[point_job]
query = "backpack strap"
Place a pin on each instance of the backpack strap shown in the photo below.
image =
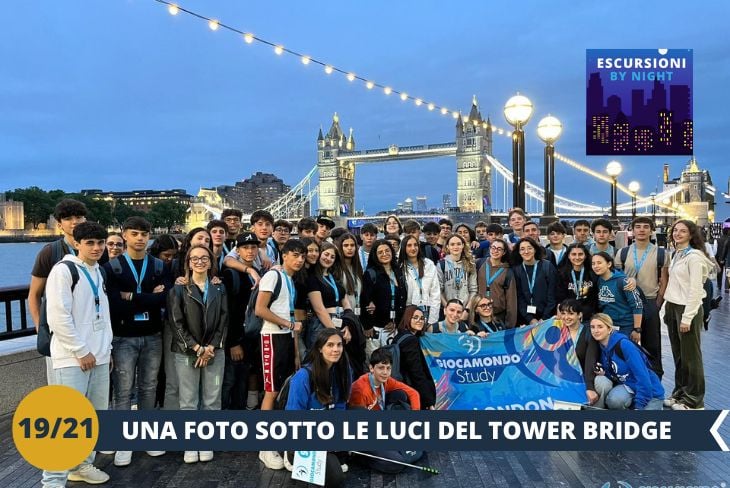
(507, 278)
(74, 273)
(623, 254)
(159, 266)
(661, 255)
(57, 251)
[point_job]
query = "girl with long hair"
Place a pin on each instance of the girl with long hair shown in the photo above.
(413, 365)
(683, 314)
(351, 269)
(457, 272)
(495, 280)
(535, 279)
(482, 320)
(576, 279)
(198, 311)
(570, 312)
(424, 290)
(624, 307)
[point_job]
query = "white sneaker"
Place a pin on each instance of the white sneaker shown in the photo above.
(271, 459)
(345, 467)
(205, 456)
(106, 452)
(682, 406)
(156, 453)
(287, 465)
(123, 458)
(190, 457)
(670, 402)
(90, 474)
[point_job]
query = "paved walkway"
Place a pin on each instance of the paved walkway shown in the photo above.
(458, 469)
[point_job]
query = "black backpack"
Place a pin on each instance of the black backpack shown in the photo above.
(394, 350)
(116, 266)
(252, 323)
(43, 341)
(283, 396)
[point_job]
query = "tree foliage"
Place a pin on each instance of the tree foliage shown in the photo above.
(37, 203)
(167, 214)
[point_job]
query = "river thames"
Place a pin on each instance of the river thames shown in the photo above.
(17, 259)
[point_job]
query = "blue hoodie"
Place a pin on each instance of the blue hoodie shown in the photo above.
(302, 397)
(617, 303)
(633, 370)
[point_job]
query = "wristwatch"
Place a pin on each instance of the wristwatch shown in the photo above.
(637, 329)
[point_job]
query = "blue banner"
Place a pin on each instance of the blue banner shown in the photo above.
(527, 368)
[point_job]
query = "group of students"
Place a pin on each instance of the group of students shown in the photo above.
(177, 317)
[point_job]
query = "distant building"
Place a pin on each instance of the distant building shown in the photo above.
(408, 205)
(446, 200)
(141, 200)
(258, 191)
(421, 206)
(697, 198)
(12, 214)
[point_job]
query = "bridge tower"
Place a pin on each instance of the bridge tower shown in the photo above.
(473, 170)
(336, 178)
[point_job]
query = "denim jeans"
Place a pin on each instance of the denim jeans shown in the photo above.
(172, 400)
(200, 388)
(140, 356)
(620, 397)
(94, 385)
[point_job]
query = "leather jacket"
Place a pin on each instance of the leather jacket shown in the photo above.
(192, 323)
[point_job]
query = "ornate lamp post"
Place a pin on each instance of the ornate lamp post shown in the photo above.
(549, 130)
(518, 111)
(653, 206)
(634, 189)
(613, 169)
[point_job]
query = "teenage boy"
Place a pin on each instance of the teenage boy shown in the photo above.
(649, 265)
(378, 391)
(602, 230)
(480, 229)
(68, 214)
(81, 344)
(218, 230)
(282, 231)
(277, 343)
(136, 289)
(243, 359)
(582, 232)
(431, 231)
(452, 323)
(324, 227)
(530, 229)
(413, 228)
(368, 234)
(494, 231)
(556, 250)
(516, 220)
(306, 227)
(232, 217)
(262, 225)
(445, 228)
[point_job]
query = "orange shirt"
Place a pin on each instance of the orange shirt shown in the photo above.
(362, 394)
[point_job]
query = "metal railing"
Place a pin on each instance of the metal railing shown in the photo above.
(12, 329)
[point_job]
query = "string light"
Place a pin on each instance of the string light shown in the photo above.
(248, 37)
(387, 90)
(404, 96)
(418, 102)
(306, 60)
(431, 106)
(172, 8)
(328, 69)
(370, 85)
(213, 24)
(444, 110)
(279, 50)
(351, 76)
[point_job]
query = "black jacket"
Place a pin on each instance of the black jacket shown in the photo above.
(543, 293)
(192, 322)
(378, 292)
(414, 369)
(589, 291)
(237, 304)
(122, 311)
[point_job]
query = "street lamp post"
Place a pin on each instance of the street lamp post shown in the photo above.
(549, 130)
(613, 169)
(518, 111)
(634, 189)
(653, 206)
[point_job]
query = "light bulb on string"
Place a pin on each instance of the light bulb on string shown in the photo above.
(173, 9)
(370, 85)
(248, 37)
(328, 69)
(418, 102)
(431, 106)
(404, 96)
(387, 90)
(213, 24)
(306, 60)
(279, 50)
(351, 76)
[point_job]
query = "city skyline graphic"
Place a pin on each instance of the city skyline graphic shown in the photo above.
(639, 102)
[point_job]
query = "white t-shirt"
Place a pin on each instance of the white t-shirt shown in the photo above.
(280, 306)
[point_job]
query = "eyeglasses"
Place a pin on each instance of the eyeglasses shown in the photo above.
(384, 252)
(200, 259)
(496, 249)
(485, 305)
(418, 318)
(283, 230)
(114, 244)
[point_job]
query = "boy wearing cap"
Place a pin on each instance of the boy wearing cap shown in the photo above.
(243, 361)
(324, 227)
(262, 224)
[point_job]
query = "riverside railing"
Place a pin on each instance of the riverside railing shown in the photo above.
(16, 320)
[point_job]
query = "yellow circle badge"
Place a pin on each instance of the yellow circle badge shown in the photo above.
(55, 428)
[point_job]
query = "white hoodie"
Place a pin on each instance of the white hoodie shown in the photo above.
(687, 274)
(431, 294)
(71, 317)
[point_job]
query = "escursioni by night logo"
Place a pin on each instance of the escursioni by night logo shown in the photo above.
(639, 102)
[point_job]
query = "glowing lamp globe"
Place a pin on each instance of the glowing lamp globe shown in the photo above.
(518, 110)
(634, 187)
(549, 129)
(613, 169)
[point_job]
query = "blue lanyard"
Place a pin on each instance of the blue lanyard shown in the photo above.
(222, 258)
(391, 278)
(137, 277)
(380, 398)
(458, 272)
(578, 285)
(271, 251)
(71, 249)
(331, 281)
(225, 249)
(638, 263)
(414, 273)
(490, 278)
(531, 282)
(94, 287)
(558, 257)
(205, 292)
(292, 295)
(487, 326)
(363, 257)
